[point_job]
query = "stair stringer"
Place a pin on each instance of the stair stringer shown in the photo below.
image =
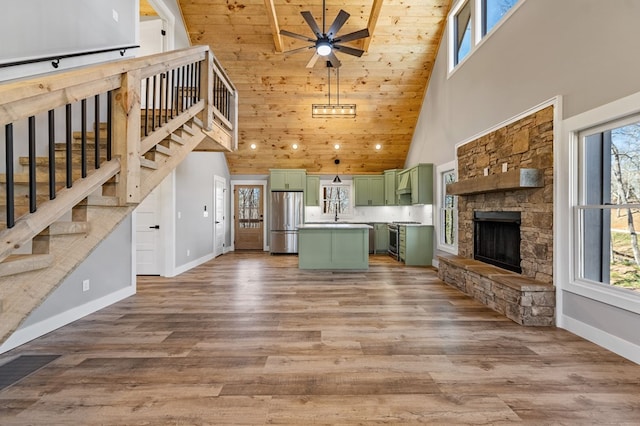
(21, 294)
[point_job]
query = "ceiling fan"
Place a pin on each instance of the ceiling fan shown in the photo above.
(327, 41)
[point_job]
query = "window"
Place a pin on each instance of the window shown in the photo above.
(493, 11)
(462, 30)
(471, 21)
(336, 199)
(608, 211)
(249, 207)
(447, 209)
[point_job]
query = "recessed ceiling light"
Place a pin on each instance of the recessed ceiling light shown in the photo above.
(253, 146)
(378, 146)
(294, 146)
(337, 146)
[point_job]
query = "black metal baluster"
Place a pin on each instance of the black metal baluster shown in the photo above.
(32, 164)
(183, 79)
(8, 131)
(153, 106)
(166, 97)
(68, 152)
(109, 124)
(174, 88)
(96, 118)
(161, 103)
(188, 87)
(52, 155)
(83, 138)
(146, 107)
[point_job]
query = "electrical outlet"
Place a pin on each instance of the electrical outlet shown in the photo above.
(179, 215)
(486, 171)
(114, 13)
(85, 285)
(504, 167)
(188, 252)
(205, 214)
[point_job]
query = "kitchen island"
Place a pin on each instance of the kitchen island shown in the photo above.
(333, 246)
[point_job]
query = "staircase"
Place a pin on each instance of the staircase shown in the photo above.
(62, 198)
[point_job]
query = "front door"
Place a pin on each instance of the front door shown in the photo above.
(248, 214)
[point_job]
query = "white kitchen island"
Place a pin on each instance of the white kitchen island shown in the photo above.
(333, 246)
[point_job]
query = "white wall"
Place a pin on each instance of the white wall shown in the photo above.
(194, 189)
(581, 50)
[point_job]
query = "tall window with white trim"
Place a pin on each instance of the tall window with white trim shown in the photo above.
(608, 212)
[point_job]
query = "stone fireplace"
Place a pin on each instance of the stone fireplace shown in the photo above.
(513, 211)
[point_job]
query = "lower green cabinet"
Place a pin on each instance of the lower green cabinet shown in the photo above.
(416, 245)
(381, 237)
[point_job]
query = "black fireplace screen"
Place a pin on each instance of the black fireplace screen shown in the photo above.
(496, 239)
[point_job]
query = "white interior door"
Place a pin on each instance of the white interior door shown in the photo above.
(148, 252)
(219, 226)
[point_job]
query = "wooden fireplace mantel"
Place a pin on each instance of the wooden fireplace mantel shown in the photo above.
(507, 181)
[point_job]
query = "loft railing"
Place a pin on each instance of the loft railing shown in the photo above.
(98, 121)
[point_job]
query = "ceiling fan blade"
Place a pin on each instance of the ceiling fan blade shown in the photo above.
(352, 36)
(335, 62)
(313, 60)
(312, 23)
(337, 23)
(348, 50)
(297, 50)
(298, 36)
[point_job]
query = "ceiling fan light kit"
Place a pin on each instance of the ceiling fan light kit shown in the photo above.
(327, 42)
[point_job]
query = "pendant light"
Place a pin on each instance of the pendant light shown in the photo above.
(336, 180)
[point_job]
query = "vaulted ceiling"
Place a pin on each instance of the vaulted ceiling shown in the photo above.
(276, 90)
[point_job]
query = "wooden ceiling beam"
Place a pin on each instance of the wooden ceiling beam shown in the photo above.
(371, 25)
(273, 22)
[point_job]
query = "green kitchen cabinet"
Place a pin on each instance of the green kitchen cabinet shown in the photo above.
(391, 198)
(422, 184)
(381, 235)
(312, 194)
(369, 190)
(415, 244)
(288, 179)
(415, 185)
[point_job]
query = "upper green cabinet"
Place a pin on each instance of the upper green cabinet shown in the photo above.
(390, 185)
(288, 179)
(369, 190)
(312, 194)
(415, 185)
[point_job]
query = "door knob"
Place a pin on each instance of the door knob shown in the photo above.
(154, 227)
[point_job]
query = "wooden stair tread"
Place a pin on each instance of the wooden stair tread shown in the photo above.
(19, 263)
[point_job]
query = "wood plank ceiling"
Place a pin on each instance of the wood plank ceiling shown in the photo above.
(276, 90)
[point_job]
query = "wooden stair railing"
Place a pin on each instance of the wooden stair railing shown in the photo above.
(139, 118)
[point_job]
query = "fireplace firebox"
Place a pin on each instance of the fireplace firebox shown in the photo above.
(496, 239)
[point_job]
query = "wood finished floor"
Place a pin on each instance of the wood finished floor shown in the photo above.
(250, 339)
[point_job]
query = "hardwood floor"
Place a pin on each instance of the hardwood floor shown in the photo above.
(250, 339)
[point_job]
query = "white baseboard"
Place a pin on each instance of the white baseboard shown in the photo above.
(184, 268)
(608, 341)
(33, 331)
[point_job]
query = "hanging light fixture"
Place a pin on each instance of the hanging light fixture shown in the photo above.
(333, 110)
(336, 180)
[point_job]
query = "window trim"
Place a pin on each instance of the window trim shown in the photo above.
(346, 184)
(451, 166)
(568, 168)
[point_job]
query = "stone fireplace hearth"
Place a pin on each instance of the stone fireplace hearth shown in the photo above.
(525, 291)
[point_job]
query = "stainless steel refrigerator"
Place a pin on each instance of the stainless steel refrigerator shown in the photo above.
(287, 212)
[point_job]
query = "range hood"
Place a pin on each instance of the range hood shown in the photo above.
(404, 186)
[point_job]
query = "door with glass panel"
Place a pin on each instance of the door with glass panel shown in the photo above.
(248, 217)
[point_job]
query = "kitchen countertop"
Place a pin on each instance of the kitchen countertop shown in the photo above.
(329, 225)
